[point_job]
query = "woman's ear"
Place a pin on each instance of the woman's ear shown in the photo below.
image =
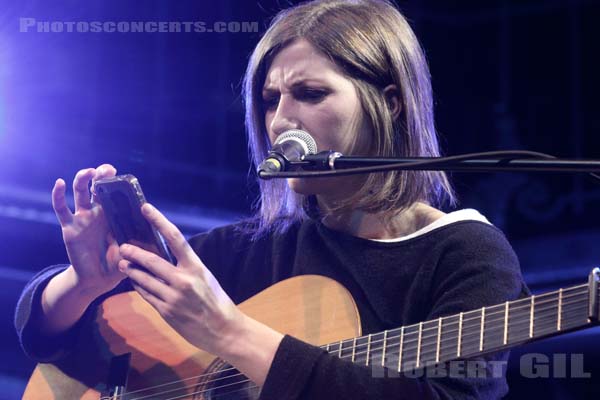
(392, 99)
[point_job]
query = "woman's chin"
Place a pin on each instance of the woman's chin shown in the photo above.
(318, 186)
(301, 186)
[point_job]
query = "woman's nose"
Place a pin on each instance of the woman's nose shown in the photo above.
(286, 117)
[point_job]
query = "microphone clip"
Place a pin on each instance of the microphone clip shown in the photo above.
(322, 161)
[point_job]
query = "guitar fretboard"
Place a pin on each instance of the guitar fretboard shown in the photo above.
(471, 333)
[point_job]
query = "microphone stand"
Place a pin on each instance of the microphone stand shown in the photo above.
(330, 163)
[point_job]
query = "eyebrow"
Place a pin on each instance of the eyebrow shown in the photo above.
(297, 84)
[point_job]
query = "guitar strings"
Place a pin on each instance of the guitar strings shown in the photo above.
(477, 317)
(253, 386)
(471, 340)
(539, 311)
(465, 337)
(539, 303)
(218, 395)
(566, 304)
(223, 394)
(240, 382)
(428, 348)
(489, 322)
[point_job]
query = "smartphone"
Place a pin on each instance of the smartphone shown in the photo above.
(121, 198)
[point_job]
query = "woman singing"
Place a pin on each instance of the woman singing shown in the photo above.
(353, 75)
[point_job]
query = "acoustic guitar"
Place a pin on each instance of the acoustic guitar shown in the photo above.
(132, 353)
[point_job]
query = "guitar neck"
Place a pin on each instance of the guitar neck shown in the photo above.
(477, 332)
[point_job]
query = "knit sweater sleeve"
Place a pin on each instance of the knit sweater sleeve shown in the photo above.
(37, 346)
(477, 268)
(49, 348)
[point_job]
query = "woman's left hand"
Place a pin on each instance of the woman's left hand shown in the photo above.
(188, 296)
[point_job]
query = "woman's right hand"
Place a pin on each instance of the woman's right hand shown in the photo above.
(92, 251)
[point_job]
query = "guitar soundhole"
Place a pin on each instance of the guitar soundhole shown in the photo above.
(224, 382)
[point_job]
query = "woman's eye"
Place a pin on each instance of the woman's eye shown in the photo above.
(270, 102)
(309, 95)
(312, 95)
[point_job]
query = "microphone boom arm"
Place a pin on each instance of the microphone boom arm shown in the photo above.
(331, 163)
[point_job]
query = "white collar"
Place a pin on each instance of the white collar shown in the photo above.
(468, 214)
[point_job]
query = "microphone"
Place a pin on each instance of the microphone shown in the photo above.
(290, 146)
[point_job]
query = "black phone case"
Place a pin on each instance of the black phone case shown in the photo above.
(121, 198)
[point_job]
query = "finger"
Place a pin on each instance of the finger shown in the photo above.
(113, 255)
(104, 171)
(59, 203)
(146, 281)
(81, 191)
(173, 236)
(153, 263)
(150, 298)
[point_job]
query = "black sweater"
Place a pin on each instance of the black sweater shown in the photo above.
(457, 267)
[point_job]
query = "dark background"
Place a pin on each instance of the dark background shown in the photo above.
(166, 107)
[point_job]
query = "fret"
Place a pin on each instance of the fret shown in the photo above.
(327, 348)
(518, 321)
(439, 340)
(574, 308)
(340, 352)
(419, 343)
(378, 341)
(429, 342)
(482, 329)
(333, 348)
(470, 333)
(384, 348)
(531, 316)
(505, 336)
(360, 345)
(495, 326)
(348, 350)
(559, 317)
(460, 325)
(447, 342)
(389, 358)
(400, 349)
(368, 350)
(410, 352)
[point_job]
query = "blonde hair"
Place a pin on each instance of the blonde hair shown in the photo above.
(375, 47)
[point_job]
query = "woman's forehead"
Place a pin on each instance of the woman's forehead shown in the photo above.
(300, 62)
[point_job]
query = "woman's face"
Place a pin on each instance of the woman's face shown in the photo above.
(305, 90)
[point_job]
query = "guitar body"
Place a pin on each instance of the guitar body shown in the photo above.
(163, 365)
